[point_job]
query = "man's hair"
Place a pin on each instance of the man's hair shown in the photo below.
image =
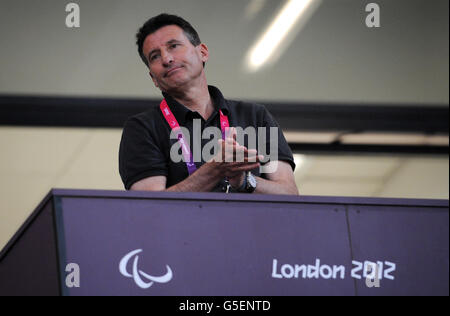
(159, 21)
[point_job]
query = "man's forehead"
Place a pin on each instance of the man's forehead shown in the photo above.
(164, 35)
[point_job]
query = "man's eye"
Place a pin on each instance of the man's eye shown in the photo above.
(153, 57)
(173, 45)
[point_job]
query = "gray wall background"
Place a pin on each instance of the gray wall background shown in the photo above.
(335, 58)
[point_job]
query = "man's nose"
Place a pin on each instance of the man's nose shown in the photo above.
(167, 58)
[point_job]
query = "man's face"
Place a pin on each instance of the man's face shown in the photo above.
(173, 61)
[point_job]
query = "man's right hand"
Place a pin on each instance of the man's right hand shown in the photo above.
(233, 159)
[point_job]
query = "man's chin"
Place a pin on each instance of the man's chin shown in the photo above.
(175, 86)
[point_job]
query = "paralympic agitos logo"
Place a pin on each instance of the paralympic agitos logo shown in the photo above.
(138, 275)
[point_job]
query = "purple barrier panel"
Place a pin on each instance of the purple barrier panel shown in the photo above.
(408, 246)
(205, 247)
(29, 263)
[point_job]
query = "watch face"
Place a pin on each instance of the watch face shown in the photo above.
(252, 181)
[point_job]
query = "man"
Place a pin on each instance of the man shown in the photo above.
(175, 57)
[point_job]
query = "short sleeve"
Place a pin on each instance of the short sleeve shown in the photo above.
(284, 151)
(140, 156)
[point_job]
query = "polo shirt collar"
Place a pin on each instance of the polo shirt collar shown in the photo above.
(181, 112)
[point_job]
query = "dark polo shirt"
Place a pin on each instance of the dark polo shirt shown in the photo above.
(145, 145)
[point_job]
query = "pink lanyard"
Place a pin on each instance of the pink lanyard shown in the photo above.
(173, 123)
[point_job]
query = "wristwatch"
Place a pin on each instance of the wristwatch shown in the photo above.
(249, 185)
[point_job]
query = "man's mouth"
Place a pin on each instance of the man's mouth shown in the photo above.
(168, 73)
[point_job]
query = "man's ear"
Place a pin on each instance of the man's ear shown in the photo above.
(153, 78)
(204, 52)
